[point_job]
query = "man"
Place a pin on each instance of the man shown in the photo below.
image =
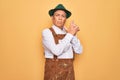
(60, 44)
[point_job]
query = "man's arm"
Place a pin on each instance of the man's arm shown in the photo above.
(77, 47)
(49, 43)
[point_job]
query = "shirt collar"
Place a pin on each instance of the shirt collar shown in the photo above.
(58, 30)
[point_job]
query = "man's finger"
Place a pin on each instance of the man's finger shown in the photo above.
(72, 22)
(66, 29)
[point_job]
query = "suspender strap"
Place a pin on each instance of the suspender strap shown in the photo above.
(54, 35)
(56, 40)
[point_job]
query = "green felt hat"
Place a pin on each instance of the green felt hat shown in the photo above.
(60, 7)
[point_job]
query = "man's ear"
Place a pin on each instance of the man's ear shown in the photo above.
(52, 17)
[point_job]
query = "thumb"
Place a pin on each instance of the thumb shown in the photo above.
(66, 29)
(72, 22)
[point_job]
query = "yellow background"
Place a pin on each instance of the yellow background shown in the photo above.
(21, 51)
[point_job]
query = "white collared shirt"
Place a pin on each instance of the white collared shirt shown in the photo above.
(64, 49)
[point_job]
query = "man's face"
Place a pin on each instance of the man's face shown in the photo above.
(59, 18)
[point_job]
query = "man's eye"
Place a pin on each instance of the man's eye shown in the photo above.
(57, 15)
(63, 16)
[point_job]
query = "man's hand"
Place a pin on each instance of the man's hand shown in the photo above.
(73, 28)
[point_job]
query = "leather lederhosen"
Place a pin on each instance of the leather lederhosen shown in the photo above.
(58, 69)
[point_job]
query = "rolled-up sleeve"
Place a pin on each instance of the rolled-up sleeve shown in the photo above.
(76, 45)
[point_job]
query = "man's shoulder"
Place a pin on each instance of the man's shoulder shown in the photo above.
(46, 31)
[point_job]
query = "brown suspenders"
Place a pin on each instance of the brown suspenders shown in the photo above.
(56, 38)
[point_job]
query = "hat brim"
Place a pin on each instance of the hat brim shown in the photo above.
(68, 13)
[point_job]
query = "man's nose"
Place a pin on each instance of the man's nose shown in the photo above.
(60, 17)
